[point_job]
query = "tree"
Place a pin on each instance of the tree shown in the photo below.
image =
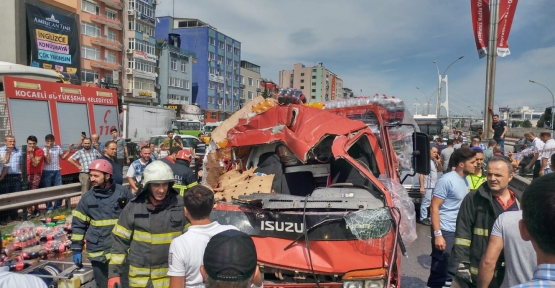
(527, 124)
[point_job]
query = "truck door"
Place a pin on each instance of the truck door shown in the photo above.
(106, 119)
(28, 117)
(73, 118)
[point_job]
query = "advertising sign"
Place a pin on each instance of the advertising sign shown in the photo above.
(145, 56)
(333, 88)
(480, 12)
(54, 40)
(215, 78)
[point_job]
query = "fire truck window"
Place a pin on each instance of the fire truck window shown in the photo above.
(29, 117)
(362, 153)
(73, 118)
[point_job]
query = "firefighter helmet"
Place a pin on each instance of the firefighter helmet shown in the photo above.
(102, 166)
(157, 172)
(184, 154)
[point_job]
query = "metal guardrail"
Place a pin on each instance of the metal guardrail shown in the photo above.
(27, 198)
(518, 185)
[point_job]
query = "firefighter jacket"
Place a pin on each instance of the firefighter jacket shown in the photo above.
(95, 217)
(184, 176)
(142, 239)
(474, 222)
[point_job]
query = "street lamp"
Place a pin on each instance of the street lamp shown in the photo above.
(441, 77)
(552, 126)
(427, 98)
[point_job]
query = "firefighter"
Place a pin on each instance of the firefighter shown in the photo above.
(95, 217)
(184, 176)
(145, 229)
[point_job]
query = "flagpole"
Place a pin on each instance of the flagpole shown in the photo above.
(490, 67)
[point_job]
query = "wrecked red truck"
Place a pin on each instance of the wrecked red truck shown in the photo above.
(334, 215)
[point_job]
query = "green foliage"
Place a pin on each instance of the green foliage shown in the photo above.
(527, 124)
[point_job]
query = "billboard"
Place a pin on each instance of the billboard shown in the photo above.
(54, 40)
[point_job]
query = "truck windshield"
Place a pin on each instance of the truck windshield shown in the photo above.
(432, 126)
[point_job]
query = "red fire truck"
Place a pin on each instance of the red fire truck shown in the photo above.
(40, 107)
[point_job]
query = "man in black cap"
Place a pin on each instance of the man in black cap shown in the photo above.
(230, 261)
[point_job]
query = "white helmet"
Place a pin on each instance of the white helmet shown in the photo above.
(157, 172)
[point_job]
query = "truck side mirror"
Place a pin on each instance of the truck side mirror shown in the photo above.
(421, 153)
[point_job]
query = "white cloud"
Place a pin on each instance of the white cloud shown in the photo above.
(386, 46)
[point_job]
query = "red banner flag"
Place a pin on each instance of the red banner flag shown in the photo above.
(480, 11)
(480, 24)
(507, 9)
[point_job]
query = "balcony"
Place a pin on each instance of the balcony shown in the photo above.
(108, 43)
(103, 64)
(101, 19)
(116, 4)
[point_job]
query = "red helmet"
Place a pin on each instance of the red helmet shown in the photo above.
(102, 166)
(184, 154)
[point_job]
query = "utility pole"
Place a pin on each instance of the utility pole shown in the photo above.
(490, 68)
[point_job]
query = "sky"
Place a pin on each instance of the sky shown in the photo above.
(388, 47)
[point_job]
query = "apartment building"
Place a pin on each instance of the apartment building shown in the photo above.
(317, 82)
(250, 81)
(175, 72)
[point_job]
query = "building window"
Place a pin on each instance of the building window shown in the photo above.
(187, 85)
(131, 43)
(228, 48)
(237, 77)
(174, 64)
(183, 66)
(111, 35)
(108, 78)
(212, 70)
(313, 83)
(314, 77)
(212, 41)
(250, 81)
(211, 55)
(111, 14)
(141, 45)
(221, 44)
(88, 75)
(89, 7)
(211, 84)
(236, 64)
(257, 83)
(302, 74)
(228, 62)
(90, 53)
(131, 24)
(314, 90)
(250, 95)
(302, 87)
(302, 80)
(220, 101)
(144, 66)
(90, 29)
(220, 58)
(314, 70)
(242, 79)
(237, 51)
(235, 91)
(111, 57)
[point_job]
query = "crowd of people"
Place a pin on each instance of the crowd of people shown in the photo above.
(43, 165)
(474, 214)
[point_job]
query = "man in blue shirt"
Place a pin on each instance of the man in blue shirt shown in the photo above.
(538, 216)
(447, 197)
(10, 179)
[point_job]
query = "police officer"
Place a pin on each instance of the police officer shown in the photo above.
(95, 217)
(145, 230)
(184, 176)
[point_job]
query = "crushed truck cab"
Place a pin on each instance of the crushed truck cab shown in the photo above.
(331, 216)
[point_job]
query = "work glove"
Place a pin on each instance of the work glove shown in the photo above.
(114, 282)
(463, 272)
(78, 258)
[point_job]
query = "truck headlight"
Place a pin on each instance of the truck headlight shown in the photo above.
(374, 283)
(353, 284)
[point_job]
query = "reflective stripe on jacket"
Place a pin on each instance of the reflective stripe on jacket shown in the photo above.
(142, 238)
(474, 222)
(95, 217)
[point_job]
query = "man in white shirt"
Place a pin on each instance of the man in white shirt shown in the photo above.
(548, 150)
(537, 145)
(187, 250)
